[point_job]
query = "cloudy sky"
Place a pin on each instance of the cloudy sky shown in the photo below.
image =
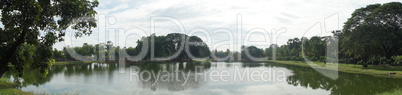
(221, 24)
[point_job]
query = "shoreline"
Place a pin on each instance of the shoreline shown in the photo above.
(374, 70)
(7, 88)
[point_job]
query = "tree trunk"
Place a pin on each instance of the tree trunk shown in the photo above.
(3, 69)
(388, 55)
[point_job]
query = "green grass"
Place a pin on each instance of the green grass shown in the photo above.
(7, 88)
(375, 70)
(202, 60)
(74, 62)
(395, 92)
(64, 93)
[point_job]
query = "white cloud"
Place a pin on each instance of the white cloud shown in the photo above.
(296, 16)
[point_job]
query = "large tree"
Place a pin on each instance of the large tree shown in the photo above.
(38, 24)
(374, 30)
(170, 44)
(252, 51)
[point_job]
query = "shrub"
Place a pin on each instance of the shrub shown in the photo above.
(287, 58)
(300, 58)
(323, 58)
(384, 60)
(374, 60)
(330, 59)
(346, 60)
(365, 65)
(295, 58)
(397, 60)
(313, 58)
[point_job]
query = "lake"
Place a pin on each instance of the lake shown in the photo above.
(198, 78)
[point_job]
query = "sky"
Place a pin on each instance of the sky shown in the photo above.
(222, 24)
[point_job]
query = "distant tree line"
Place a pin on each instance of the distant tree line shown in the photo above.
(314, 49)
(164, 46)
(87, 50)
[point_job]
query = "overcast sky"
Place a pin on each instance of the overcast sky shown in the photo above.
(124, 21)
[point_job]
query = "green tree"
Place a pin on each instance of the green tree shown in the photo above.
(26, 20)
(228, 53)
(170, 44)
(269, 51)
(316, 47)
(253, 51)
(58, 55)
(294, 46)
(67, 55)
(373, 30)
(85, 50)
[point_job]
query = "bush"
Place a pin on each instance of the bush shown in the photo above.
(295, 58)
(346, 60)
(313, 58)
(300, 58)
(280, 58)
(323, 58)
(374, 60)
(384, 60)
(329, 59)
(397, 60)
(287, 58)
(365, 65)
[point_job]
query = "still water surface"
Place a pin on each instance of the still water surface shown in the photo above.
(200, 78)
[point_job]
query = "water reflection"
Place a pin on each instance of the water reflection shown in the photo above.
(87, 71)
(171, 76)
(346, 84)
(32, 77)
(91, 76)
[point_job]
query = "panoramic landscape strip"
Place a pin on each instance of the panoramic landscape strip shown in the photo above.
(362, 56)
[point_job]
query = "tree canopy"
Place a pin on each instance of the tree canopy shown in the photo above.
(38, 24)
(170, 44)
(250, 53)
(374, 30)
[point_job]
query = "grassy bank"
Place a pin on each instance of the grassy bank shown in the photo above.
(87, 62)
(395, 92)
(74, 62)
(375, 70)
(7, 88)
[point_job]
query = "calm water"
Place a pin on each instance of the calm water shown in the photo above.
(199, 78)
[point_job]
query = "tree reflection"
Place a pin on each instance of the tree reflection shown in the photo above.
(302, 76)
(348, 84)
(252, 64)
(33, 77)
(173, 79)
